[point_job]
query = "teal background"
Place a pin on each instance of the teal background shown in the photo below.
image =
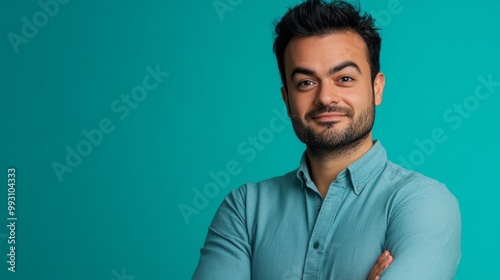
(116, 215)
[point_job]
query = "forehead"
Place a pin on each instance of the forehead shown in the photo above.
(328, 49)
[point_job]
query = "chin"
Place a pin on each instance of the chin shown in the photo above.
(330, 125)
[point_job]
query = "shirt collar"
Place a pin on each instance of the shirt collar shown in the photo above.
(358, 172)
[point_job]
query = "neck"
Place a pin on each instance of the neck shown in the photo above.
(324, 167)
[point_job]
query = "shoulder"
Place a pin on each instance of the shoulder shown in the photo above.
(423, 227)
(405, 180)
(411, 189)
(269, 189)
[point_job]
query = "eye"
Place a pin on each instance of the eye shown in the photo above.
(305, 83)
(346, 79)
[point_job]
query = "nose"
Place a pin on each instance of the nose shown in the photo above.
(327, 94)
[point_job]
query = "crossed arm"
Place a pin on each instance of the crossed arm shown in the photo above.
(423, 235)
(423, 238)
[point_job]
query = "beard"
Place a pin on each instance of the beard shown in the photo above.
(332, 141)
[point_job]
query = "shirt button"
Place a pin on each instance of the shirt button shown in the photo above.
(316, 245)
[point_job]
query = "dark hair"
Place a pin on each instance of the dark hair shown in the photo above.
(316, 17)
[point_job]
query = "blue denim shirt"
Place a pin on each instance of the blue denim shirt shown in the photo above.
(281, 228)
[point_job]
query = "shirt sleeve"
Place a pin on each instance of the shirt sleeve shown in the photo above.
(226, 253)
(424, 234)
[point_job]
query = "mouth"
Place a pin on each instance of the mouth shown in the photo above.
(328, 117)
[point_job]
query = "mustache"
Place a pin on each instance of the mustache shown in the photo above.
(330, 109)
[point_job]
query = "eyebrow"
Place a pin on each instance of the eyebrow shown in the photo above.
(333, 70)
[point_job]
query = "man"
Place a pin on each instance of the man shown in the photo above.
(346, 207)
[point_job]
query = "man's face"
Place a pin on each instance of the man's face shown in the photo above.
(330, 98)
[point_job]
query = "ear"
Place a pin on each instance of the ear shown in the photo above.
(378, 87)
(284, 95)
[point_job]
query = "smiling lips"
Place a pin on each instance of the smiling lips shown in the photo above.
(328, 117)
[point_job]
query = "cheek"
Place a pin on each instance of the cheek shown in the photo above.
(359, 101)
(301, 103)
